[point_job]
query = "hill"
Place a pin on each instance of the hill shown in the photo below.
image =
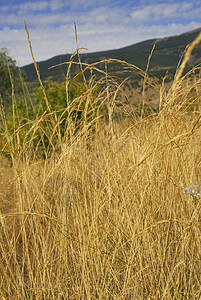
(168, 51)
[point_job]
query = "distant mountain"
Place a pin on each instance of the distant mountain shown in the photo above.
(166, 56)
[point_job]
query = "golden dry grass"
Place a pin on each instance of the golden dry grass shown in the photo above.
(107, 218)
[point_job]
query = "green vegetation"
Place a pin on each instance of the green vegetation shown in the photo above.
(56, 103)
(10, 79)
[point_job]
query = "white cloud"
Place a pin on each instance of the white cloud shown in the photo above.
(100, 26)
(49, 19)
(9, 20)
(45, 43)
(83, 4)
(25, 7)
(4, 8)
(31, 6)
(155, 12)
(51, 42)
(56, 4)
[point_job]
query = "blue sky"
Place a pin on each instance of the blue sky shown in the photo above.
(101, 24)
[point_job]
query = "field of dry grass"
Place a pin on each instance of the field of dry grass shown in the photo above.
(107, 217)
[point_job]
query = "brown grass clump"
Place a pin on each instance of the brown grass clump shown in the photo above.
(106, 216)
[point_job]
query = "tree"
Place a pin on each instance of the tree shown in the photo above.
(9, 74)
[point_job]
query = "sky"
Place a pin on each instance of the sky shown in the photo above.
(101, 24)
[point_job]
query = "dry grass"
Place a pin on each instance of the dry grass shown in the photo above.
(106, 218)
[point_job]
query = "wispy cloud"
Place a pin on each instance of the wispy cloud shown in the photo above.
(102, 25)
(56, 4)
(25, 7)
(164, 11)
(32, 6)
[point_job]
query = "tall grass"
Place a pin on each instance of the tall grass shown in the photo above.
(104, 216)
